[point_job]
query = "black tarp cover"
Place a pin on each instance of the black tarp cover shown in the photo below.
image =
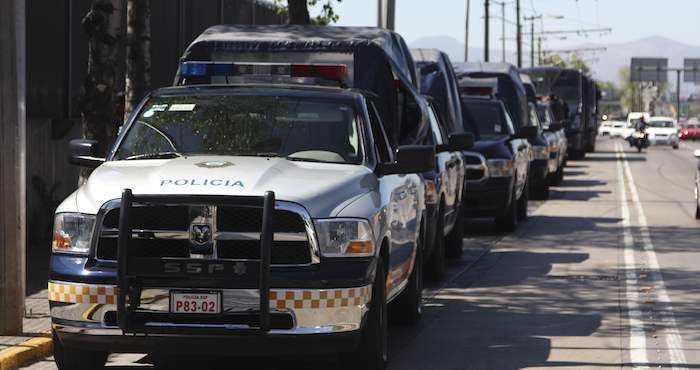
(380, 57)
(438, 80)
(510, 87)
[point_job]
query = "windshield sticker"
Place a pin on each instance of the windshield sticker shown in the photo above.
(497, 128)
(155, 108)
(201, 182)
(182, 107)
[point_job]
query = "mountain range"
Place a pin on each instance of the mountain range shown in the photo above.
(605, 64)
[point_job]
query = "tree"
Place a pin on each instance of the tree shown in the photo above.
(298, 11)
(102, 25)
(138, 53)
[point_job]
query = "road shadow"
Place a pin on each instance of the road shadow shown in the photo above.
(579, 183)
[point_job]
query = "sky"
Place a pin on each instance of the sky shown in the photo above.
(629, 19)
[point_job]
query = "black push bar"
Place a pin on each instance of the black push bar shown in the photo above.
(130, 268)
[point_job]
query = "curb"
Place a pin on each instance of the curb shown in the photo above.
(25, 353)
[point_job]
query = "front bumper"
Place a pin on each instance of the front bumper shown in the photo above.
(663, 140)
(82, 313)
(488, 197)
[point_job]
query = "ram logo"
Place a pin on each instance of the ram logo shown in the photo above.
(200, 234)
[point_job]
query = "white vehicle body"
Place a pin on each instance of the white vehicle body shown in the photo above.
(618, 129)
(604, 128)
(662, 131)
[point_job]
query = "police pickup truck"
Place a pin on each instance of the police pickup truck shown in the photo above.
(241, 220)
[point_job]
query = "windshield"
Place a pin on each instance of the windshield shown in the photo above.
(486, 119)
(545, 116)
(295, 128)
(665, 124)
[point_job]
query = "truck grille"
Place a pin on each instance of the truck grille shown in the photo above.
(162, 231)
(475, 169)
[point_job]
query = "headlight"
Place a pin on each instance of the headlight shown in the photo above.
(540, 152)
(500, 167)
(344, 237)
(72, 233)
(430, 192)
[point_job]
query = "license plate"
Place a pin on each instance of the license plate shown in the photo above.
(195, 302)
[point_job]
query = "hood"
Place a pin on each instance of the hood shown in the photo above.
(491, 148)
(322, 188)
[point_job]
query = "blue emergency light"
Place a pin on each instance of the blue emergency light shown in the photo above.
(202, 69)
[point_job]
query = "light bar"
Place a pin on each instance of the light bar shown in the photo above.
(203, 69)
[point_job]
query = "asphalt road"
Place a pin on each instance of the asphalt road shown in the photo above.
(602, 276)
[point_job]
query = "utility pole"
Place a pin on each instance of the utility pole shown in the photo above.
(12, 166)
(539, 50)
(386, 14)
(532, 43)
(532, 37)
(519, 34)
(486, 30)
(466, 35)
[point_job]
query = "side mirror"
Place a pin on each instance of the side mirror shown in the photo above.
(84, 153)
(410, 159)
(555, 126)
(696, 153)
(527, 132)
(462, 141)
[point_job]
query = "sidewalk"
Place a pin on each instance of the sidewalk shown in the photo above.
(35, 342)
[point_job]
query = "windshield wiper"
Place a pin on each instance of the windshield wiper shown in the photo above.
(161, 155)
(302, 159)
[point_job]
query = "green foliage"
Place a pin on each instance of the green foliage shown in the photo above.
(574, 62)
(327, 15)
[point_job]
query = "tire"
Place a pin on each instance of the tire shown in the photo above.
(76, 359)
(408, 306)
(508, 220)
(372, 353)
(639, 149)
(675, 147)
(455, 239)
(522, 203)
(541, 192)
(558, 176)
(697, 212)
(436, 262)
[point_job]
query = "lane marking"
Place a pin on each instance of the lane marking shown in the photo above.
(674, 341)
(638, 341)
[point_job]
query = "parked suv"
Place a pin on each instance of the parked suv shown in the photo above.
(444, 196)
(498, 172)
(240, 219)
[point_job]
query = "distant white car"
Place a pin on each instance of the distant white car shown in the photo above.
(663, 131)
(617, 128)
(604, 128)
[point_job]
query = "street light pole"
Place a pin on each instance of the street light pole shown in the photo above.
(519, 34)
(466, 35)
(486, 30)
(503, 30)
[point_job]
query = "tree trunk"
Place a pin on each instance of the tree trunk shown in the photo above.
(102, 25)
(138, 53)
(298, 12)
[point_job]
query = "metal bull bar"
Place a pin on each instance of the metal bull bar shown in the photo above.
(134, 273)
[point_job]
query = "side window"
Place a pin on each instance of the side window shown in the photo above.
(438, 135)
(380, 140)
(509, 121)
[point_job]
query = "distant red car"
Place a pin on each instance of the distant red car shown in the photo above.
(689, 131)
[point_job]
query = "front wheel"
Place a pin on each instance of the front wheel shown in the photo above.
(76, 359)
(408, 306)
(523, 201)
(436, 264)
(454, 240)
(508, 220)
(675, 146)
(697, 212)
(373, 352)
